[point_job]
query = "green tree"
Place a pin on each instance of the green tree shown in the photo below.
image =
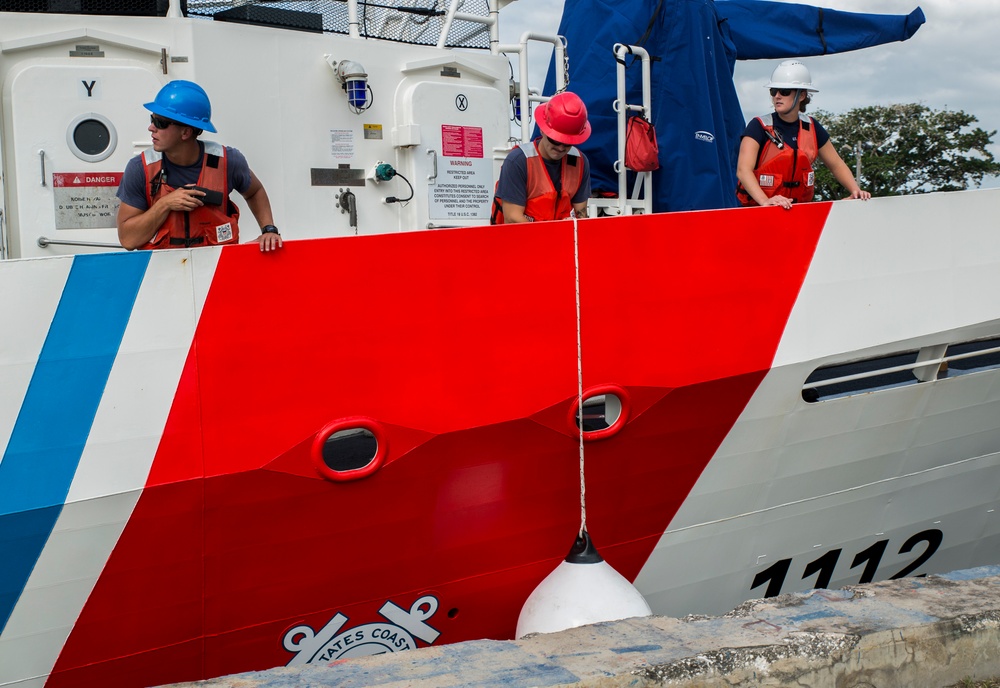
(907, 149)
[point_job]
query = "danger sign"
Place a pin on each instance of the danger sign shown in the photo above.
(85, 200)
(63, 179)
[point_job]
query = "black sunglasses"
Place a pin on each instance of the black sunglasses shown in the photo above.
(161, 122)
(557, 143)
(783, 91)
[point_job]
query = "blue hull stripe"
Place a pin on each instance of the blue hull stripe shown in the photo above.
(59, 409)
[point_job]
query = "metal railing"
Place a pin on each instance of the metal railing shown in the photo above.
(526, 94)
(642, 191)
(43, 242)
(453, 14)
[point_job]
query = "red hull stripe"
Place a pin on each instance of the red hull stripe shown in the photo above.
(462, 344)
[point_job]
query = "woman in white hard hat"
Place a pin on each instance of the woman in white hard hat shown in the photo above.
(777, 151)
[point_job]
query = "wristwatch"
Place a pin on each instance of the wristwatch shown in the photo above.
(269, 229)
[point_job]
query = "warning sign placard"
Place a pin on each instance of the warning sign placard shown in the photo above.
(464, 190)
(85, 200)
(461, 142)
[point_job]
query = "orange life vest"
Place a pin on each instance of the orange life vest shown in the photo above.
(543, 203)
(782, 169)
(204, 226)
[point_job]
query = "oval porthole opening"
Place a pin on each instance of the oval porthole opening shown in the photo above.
(349, 449)
(600, 412)
(605, 411)
(92, 137)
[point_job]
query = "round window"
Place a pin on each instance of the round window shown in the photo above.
(92, 137)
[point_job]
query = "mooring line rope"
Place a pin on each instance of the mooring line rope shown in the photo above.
(579, 375)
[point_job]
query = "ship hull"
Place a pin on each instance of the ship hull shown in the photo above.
(170, 518)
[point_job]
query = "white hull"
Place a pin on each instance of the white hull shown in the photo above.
(170, 505)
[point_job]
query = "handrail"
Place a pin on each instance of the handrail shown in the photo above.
(494, 10)
(643, 180)
(45, 241)
(453, 14)
(525, 94)
(353, 25)
(432, 177)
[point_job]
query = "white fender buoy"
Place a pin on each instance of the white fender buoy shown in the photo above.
(583, 589)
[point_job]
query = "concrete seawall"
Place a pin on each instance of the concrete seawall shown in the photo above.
(931, 631)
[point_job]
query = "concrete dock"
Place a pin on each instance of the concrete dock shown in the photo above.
(933, 631)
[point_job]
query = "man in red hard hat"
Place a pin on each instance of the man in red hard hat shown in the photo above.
(549, 178)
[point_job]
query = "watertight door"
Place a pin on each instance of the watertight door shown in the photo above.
(4, 241)
(72, 129)
(460, 122)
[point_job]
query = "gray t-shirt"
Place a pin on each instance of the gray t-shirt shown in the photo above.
(132, 190)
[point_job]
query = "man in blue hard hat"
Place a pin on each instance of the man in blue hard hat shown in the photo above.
(177, 194)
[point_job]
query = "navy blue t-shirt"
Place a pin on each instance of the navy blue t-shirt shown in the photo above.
(132, 190)
(513, 184)
(789, 132)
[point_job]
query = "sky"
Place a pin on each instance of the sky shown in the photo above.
(951, 63)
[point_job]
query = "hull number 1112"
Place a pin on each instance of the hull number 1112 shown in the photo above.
(823, 566)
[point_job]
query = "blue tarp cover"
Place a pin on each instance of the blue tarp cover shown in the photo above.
(695, 45)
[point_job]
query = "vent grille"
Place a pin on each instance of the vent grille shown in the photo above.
(902, 369)
(405, 21)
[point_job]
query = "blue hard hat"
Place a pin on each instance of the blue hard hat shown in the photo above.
(185, 102)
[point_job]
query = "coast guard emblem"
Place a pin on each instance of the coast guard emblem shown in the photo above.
(330, 643)
(224, 233)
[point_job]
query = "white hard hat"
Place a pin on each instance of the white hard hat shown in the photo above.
(791, 74)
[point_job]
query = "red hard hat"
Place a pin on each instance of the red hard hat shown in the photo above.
(564, 118)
